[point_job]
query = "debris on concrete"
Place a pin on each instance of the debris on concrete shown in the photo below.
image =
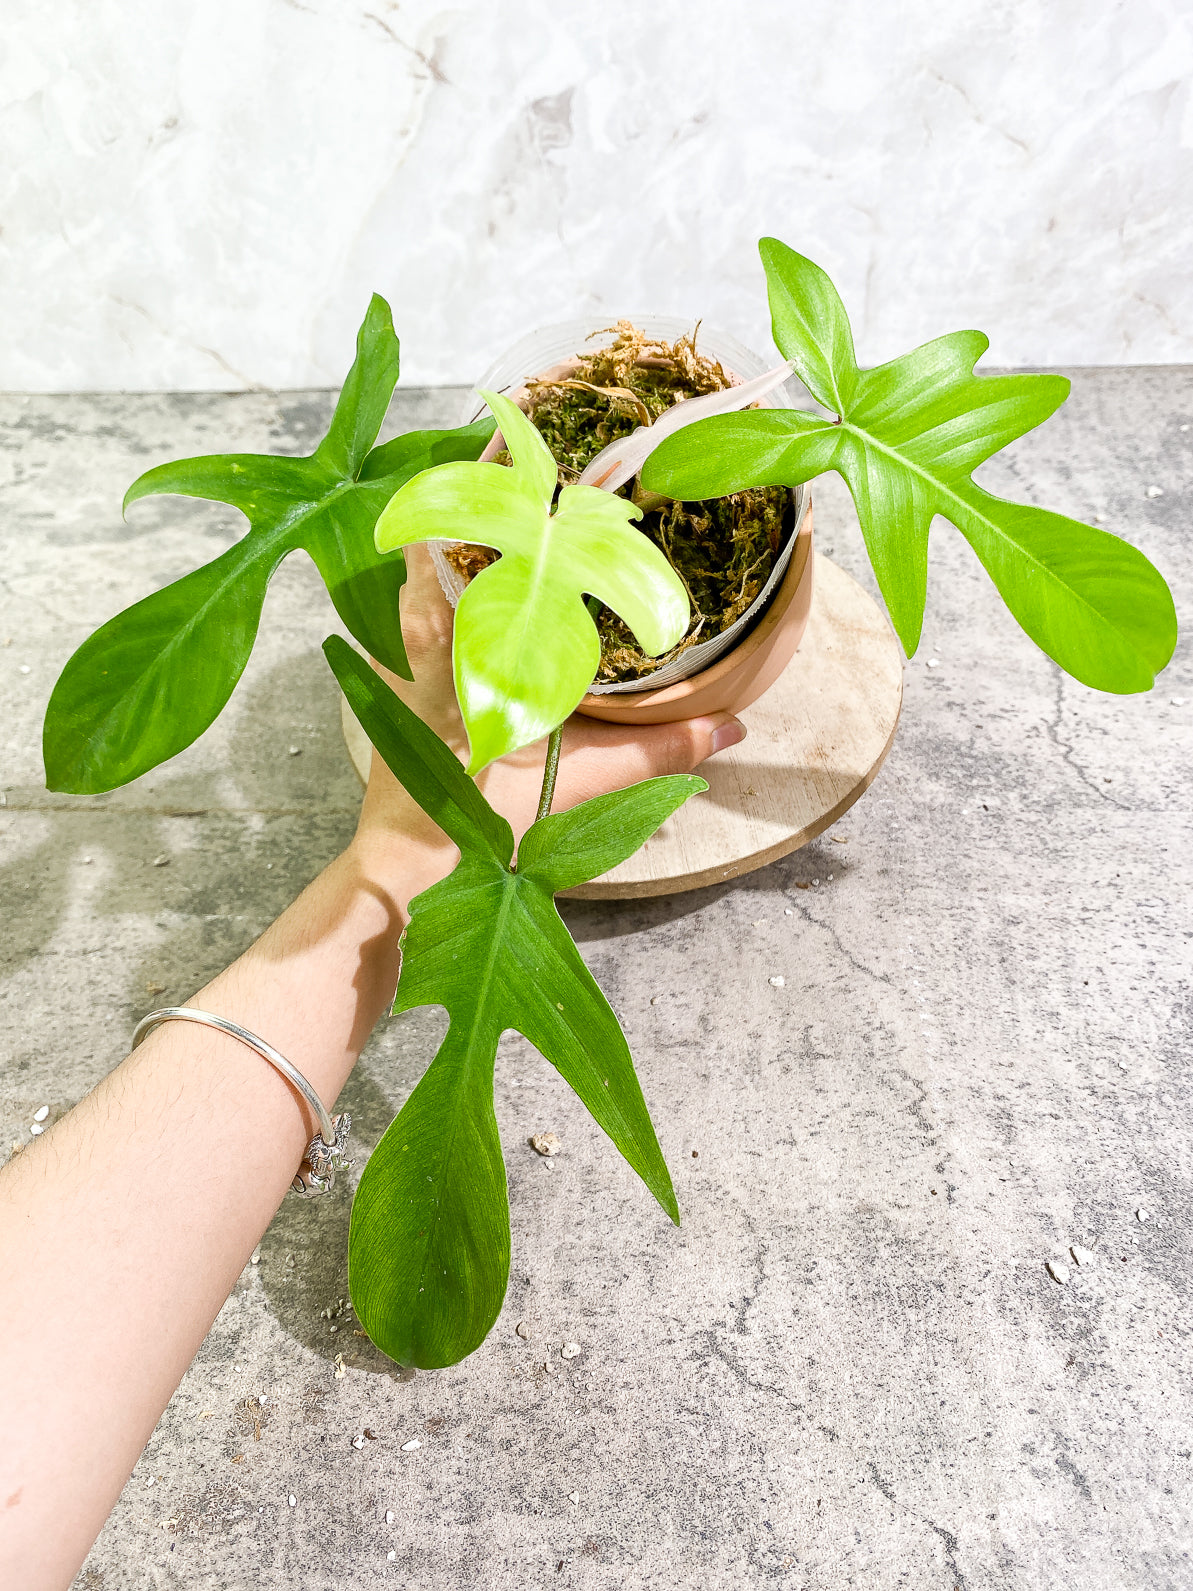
(777, 982)
(161, 861)
(339, 1373)
(292, 1500)
(41, 1113)
(37, 1129)
(573, 1497)
(570, 1350)
(545, 1143)
(389, 1518)
(1082, 1256)
(296, 751)
(522, 1330)
(412, 1446)
(1143, 1215)
(358, 1442)
(1058, 1271)
(1154, 491)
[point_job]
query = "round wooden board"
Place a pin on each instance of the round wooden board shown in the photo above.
(816, 740)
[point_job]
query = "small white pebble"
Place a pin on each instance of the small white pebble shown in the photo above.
(41, 1113)
(830, 878)
(262, 1400)
(37, 1129)
(292, 1500)
(1098, 518)
(412, 1446)
(1154, 491)
(815, 883)
(87, 861)
(1058, 1271)
(390, 1555)
(1184, 428)
(295, 751)
(570, 1350)
(789, 911)
(255, 1259)
(1178, 701)
(161, 861)
(573, 1497)
(778, 983)
(1143, 1215)
(522, 1330)
(24, 669)
(759, 922)
(358, 1442)
(149, 1482)
(933, 662)
(1122, 1066)
(1082, 1256)
(389, 1519)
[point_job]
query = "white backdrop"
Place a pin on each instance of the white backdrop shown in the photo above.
(202, 193)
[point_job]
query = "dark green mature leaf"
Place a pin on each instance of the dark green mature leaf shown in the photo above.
(151, 680)
(908, 437)
(429, 1245)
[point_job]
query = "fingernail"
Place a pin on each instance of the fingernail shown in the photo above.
(726, 735)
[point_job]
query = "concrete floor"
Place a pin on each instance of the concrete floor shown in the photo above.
(850, 1367)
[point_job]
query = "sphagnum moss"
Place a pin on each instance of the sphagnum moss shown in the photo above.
(723, 549)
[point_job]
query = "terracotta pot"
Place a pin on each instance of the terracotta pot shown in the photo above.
(741, 676)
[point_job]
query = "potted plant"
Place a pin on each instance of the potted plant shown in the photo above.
(429, 1241)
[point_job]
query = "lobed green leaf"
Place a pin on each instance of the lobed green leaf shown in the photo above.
(429, 1240)
(908, 437)
(152, 679)
(525, 648)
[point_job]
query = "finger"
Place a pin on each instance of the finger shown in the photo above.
(602, 757)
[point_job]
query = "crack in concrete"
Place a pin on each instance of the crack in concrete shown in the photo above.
(951, 1544)
(1052, 730)
(802, 911)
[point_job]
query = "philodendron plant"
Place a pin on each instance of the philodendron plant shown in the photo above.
(429, 1245)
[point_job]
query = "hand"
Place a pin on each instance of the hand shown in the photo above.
(595, 759)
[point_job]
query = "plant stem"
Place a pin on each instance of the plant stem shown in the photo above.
(549, 772)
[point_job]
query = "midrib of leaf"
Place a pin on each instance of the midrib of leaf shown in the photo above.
(257, 547)
(178, 637)
(968, 510)
(477, 1034)
(539, 579)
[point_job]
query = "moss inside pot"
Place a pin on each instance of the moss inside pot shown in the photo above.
(723, 549)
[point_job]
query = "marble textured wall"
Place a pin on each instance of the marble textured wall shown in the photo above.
(202, 193)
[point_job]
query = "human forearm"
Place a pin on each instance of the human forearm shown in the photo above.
(130, 1220)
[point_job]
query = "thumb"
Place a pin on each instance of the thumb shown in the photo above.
(599, 757)
(682, 746)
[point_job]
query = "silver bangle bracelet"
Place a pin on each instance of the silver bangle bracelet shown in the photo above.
(326, 1152)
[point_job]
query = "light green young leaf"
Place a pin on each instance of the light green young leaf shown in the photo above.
(429, 1244)
(525, 647)
(909, 436)
(152, 679)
